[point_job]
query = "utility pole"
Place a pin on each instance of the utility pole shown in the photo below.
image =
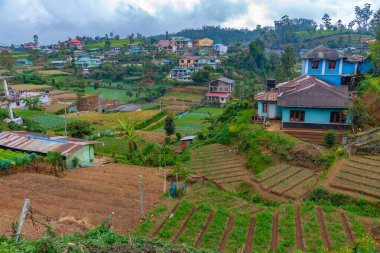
(24, 212)
(65, 122)
(141, 197)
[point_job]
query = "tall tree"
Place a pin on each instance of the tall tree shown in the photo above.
(7, 61)
(375, 50)
(327, 21)
(169, 125)
(375, 22)
(286, 70)
(362, 17)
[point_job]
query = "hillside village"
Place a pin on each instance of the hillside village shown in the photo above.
(203, 140)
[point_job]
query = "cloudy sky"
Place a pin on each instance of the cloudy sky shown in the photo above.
(54, 20)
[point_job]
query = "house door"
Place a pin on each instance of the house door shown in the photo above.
(271, 111)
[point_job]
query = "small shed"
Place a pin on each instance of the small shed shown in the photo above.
(187, 141)
(41, 144)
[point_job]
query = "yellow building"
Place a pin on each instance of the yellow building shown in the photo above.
(203, 43)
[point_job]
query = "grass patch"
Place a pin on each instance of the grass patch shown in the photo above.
(114, 94)
(49, 122)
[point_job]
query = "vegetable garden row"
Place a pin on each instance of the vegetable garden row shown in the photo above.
(220, 164)
(204, 225)
(287, 181)
(358, 176)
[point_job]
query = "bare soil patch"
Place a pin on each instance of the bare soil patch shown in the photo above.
(80, 199)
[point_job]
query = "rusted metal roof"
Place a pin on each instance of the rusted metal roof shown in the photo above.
(267, 96)
(218, 94)
(42, 143)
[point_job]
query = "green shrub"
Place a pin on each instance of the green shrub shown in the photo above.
(330, 138)
(167, 140)
(178, 135)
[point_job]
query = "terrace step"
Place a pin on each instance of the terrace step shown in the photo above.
(312, 136)
(224, 171)
(224, 176)
(218, 164)
(217, 168)
(231, 179)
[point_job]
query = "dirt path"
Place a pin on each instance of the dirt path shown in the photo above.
(257, 187)
(251, 232)
(274, 237)
(299, 233)
(184, 225)
(202, 233)
(323, 228)
(155, 232)
(346, 226)
(227, 231)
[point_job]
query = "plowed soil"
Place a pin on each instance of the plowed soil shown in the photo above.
(82, 198)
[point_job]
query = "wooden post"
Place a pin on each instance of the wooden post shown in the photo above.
(24, 212)
(176, 177)
(164, 181)
(141, 197)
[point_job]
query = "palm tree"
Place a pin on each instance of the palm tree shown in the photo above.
(210, 119)
(129, 135)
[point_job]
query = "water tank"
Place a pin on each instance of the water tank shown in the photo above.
(271, 83)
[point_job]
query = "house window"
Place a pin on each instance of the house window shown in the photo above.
(188, 61)
(314, 64)
(337, 117)
(182, 61)
(225, 89)
(265, 107)
(332, 64)
(297, 116)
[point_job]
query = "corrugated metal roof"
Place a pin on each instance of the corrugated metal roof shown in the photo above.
(226, 80)
(311, 92)
(42, 143)
(323, 52)
(218, 94)
(267, 96)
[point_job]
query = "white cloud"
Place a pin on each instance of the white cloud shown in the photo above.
(54, 20)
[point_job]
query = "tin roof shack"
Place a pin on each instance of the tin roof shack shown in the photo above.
(187, 141)
(69, 148)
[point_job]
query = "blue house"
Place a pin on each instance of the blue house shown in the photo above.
(306, 102)
(317, 99)
(334, 67)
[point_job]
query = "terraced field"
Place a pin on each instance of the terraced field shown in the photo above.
(112, 119)
(291, 227)
(358, 176)
(287, 181)
(220, 164)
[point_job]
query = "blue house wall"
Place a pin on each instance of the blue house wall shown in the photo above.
(312, 115)
(264, 114)
(334, 76)
(260, 109)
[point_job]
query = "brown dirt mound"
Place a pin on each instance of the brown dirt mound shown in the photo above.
(82, 198)
(36, 167)
(305, 155)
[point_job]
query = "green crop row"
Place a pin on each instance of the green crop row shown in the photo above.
(287, 230)
(195, 225)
